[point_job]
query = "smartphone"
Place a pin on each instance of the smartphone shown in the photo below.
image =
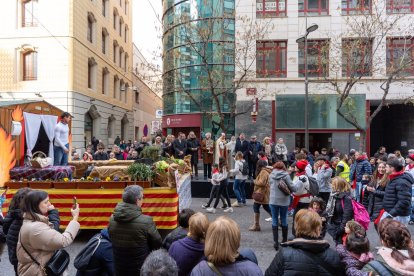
(75, 202)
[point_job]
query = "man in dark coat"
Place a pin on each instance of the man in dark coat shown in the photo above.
(193, 146)
(254, 148)
(397, 196)
(100, 154)
(133, 234)
(358, 169)
(180, 146)
(242, 145)
(381, 154)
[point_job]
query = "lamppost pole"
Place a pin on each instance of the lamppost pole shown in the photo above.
(304, 39)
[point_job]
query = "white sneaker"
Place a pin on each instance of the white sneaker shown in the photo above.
(212, 210)
(204, 206)
(235, 204)
(228, 210)
(269, 219)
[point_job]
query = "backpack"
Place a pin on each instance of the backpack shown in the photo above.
(245, 169)
(82, 260)
(360, 213)
(313, 186)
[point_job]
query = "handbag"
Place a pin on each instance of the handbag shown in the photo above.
(214, 268)
(258, 196)
(283, 187)
(57, 263)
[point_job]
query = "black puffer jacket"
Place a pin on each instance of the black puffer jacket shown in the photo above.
(397, 198)
(341, 216)
(133, 237)
(11, 228)
(306, 257)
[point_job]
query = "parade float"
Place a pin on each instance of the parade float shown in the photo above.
(166, 183)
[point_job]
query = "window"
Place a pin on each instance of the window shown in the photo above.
(115, 51)
(271, 59)
(104, 40)
(115, 18)
(126, 62)
(91, 73)
(30, 66)
(400, 6)
(91, 27)
(105, 80)
(400, 54)
(317, 58)
(270, 8)
(126, 92)
(356, 57)
(29, 13)
(136, 97)
(126, 7)
(116, 86)
(313, 7)
(121, 56)
(351, 7)
(104, 7)
(126, 34)
(121, 21)
(121, 90)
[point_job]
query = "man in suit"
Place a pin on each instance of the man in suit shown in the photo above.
(180, 146)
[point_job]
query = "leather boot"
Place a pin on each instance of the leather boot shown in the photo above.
(275, 238)
(256, 225)
(284, 233)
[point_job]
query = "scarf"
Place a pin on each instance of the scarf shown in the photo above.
(299, 173)
(209, 143)
(395, 174)
(330, 207)
(380, 176)
(411, 166)
(268, 149)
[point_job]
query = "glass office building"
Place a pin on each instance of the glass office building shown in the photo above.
(198, 56)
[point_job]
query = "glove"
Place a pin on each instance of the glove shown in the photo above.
(303, 179)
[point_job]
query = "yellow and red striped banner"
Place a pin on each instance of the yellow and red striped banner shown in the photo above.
(96, 206)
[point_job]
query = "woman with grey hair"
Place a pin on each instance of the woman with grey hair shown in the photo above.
(159, 263)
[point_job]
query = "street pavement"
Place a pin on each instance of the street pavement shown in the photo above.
(261, 242)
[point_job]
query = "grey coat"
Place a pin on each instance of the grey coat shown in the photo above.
(323, 178)
(277, 197)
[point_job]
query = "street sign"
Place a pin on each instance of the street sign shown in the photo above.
(158, 113)
(251, 91)
(155, 126)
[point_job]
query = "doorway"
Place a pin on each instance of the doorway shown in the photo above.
(317, 141)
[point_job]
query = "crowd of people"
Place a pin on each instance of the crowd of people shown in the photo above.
(327, 192)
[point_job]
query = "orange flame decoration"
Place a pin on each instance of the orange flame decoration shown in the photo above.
(7, 156)
(17, 114)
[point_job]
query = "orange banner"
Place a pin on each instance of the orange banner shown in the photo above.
(96, 206)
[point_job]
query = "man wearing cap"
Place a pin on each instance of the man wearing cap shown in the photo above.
(61, 140)
(410, 164)
(324, 154)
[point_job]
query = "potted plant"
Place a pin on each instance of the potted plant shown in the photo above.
(90, 183)
(114, 183)
(140, 174)
(65, 183)
(150, 154)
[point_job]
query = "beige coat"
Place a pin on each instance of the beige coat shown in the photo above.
(261, 184)
(41, 240)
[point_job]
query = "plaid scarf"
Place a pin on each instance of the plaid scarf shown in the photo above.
(330, 208)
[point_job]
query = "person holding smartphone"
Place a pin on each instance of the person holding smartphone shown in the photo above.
(38, 239)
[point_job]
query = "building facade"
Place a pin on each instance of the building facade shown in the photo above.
(147, 102)
(77, 55)
(280, 70)
(198, 65)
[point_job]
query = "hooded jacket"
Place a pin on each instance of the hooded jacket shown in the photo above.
(397, 196)
(390, 264)
(102, 261)
(241, 267)
(187, 253)
(133, 237)
(341, 215)
(261, 184)
(277, 197)
(175, 235)
(323, 177)
(41, 241)
(11, 228)
(359, 168)
(305, 257)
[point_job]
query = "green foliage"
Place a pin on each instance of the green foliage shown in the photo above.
(151, 152)
(140, 172)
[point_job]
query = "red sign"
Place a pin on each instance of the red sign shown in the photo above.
(251, 91)
(181, 120)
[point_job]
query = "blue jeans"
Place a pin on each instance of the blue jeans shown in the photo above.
(60, 157)
(276, 211)
(239, 190)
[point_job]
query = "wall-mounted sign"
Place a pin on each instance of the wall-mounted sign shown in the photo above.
(155, 126)
(158, 113)
(251, 91)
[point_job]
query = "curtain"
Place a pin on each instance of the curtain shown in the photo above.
(32, 126)
(49, 122)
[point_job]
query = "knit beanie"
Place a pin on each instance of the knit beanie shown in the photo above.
(301, 164)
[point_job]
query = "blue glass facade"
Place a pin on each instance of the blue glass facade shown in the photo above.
(198, 52)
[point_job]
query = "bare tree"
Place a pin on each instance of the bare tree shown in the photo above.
(374, 54)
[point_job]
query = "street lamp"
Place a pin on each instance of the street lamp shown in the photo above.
(304, 39)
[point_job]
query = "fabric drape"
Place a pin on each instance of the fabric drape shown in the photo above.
(32, 124)
(49, 122)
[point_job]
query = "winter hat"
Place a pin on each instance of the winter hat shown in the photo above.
(411, 156)
(301, 164)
